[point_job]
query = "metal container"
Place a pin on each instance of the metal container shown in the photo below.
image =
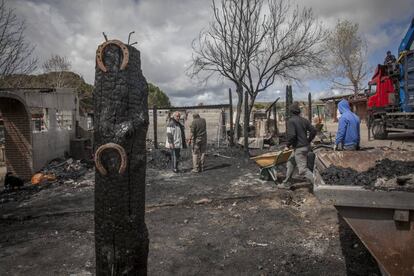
(383, 220)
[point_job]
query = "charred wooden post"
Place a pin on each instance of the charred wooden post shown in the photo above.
(310, 107)
(154, 122)
(120, 128)
(286, 107)
(289, 101)
(223, 124)
(275, 117)
(231, 119)
(246, 124)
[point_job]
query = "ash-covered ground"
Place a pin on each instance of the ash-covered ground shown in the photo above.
(224, 221)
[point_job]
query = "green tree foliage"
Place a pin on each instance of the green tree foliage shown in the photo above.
(347, 62)
(157, 97)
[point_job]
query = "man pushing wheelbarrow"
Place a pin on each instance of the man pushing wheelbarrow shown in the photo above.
(300, 133)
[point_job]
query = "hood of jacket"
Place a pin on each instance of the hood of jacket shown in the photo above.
(343, 106)
(294, 108)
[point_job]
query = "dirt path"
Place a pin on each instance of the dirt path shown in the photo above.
(224, 221)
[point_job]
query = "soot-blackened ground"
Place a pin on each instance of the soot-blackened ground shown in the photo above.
(224, 221)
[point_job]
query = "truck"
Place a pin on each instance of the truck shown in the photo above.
(391, 93)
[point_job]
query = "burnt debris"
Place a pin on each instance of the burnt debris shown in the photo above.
(374, 178)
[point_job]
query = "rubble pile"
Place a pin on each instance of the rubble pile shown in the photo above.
(67, 169)
(386, 175)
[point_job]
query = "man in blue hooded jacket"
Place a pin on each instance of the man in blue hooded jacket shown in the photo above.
(348, 134)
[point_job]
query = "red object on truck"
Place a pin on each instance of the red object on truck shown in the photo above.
(382, 88)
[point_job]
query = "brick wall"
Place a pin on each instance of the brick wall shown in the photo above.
(18, 138)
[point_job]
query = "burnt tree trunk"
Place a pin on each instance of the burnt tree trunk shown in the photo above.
(237, 130)
(121, 117)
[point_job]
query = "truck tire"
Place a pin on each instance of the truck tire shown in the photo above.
(378, 130)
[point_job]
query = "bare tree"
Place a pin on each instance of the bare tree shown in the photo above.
(253, 43)
(57, 65)
(15, 52)
(218, 49)
(347, 64)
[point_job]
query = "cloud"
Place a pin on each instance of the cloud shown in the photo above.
(165, 30)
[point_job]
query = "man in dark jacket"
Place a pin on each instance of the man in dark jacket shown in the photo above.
(300, 133)
(390, 58)
(198, 138)
(175, 139)
(348, 134)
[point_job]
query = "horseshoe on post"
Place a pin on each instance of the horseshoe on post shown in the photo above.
(121, 153)
(100, 52)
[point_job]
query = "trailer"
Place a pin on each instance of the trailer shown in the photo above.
(383, 220)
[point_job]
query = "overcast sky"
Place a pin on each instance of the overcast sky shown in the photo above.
(164, 30)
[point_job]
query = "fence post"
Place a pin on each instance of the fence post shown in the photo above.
(246, 124)
(154, 122)
(289, 101)
(275, 116)
(310, 107)
(231, 119)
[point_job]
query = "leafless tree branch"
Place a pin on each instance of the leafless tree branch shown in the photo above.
(347, 62)
(57, 65)
(253, 43)
(15, 51)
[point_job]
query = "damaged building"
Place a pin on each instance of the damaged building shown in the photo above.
(38, 126)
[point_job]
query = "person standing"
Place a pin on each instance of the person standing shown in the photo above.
(348, 134)
(198, 138)
(300, 133)
(175, 139)
(389, 59)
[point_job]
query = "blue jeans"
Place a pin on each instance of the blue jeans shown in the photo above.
(175, 155)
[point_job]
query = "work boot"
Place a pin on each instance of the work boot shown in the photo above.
(284, 185)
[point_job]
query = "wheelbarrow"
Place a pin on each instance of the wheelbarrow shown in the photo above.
(269, 161)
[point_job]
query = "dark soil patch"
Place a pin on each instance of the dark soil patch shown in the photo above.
(358, 260)
(383, 169)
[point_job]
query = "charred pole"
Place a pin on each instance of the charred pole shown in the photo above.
(120, 128)
(289, 101)
(155, 126)
(246, 124)
(310, 107)
(231, 119)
